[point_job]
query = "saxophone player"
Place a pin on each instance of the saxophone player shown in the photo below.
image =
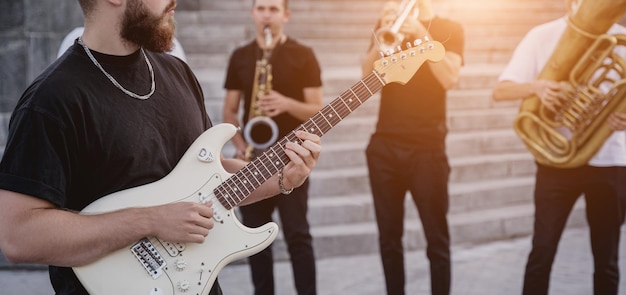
(295, 95)
(601, 180)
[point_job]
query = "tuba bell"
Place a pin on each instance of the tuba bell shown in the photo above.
(389, 37)
(572, 134)
(260, 131)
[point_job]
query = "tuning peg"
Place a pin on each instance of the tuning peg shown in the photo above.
(383, 60)
(417, 42)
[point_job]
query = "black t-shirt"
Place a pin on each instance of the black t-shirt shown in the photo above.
(415, 113)
(74, 137)
(294, 67)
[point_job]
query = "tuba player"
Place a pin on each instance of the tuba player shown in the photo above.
(601, 180)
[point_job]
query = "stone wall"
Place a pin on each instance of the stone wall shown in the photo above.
(30, 34)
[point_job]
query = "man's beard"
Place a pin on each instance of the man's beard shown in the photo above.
(146, 30)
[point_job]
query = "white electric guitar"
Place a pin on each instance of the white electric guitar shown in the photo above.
(152, 266)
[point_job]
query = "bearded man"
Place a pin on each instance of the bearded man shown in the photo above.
(113, 112)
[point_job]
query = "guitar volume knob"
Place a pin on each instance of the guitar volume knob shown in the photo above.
(180, 264)
(184, 285)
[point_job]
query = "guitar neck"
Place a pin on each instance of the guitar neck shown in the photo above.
(236, 188)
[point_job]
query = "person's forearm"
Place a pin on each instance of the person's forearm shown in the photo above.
(63, 238)
(447, 70)
(238, 140)
(507, 90)
(303, 110)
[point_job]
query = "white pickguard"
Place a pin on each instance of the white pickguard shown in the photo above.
(194, 269)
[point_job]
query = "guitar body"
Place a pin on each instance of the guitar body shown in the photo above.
(153, 266)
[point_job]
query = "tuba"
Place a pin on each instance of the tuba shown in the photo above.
(573, 133)
(388, 37)
(261, 131)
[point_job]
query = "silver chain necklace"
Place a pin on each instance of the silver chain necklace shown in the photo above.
(129, 93)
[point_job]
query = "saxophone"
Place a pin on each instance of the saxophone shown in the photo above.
(572, 134)
(261, 131)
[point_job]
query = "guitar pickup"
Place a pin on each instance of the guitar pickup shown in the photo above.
(149, 257)
(173, 249)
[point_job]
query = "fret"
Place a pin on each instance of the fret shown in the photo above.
(269, 162)
(274, 159)
(344, 103)
(256, 173)
(375, 75)
(311, 129)
(220, 197)
(281, 156)
(366, 87)
(374, 81)
(336, 118)
(331, 116)
(320, 114)
(356, 96)
(225, 196)
(260, 159)
(230, 193)
(340, 108)
(240, 185)
(249, 175)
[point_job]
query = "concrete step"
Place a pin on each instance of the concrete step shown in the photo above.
(465, 197)
(460, 106)
(336, 28)
(473, 227)
(354, 179)
(471, 132)
(358, 128)
(458, 145)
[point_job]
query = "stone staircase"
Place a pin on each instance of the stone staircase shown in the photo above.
(492, 174)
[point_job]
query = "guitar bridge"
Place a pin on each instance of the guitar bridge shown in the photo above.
(149, 257)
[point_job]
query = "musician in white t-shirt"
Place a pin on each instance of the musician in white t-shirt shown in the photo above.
(602, 180)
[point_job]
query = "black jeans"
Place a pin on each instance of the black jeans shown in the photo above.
(394, 170)
(292, 210)
(556, 191)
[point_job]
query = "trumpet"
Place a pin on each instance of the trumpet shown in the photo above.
(389, 37)
(261, 131)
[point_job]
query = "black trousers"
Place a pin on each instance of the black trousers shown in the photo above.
(292, 210)
(556, 191)
(394, 170)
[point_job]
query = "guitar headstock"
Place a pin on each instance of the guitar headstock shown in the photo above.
(400, 67)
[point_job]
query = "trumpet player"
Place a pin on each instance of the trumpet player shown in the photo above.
(292, 92)
(601, 180)
(407, 150)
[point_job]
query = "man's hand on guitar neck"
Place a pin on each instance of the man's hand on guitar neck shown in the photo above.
(303, 158)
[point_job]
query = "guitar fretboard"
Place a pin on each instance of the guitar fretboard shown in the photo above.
(236, 188)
